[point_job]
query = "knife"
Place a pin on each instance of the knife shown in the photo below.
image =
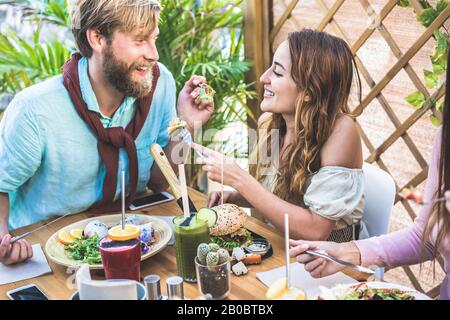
(341, 262)
(26, 234)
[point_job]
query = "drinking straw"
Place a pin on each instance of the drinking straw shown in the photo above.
(123, 200)
(286, 246)
(221, 179)
(184, 193)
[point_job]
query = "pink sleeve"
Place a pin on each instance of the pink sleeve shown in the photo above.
(404, 247)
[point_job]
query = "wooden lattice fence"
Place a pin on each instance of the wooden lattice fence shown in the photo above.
(394, 33)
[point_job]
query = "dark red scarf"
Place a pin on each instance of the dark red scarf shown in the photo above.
(110, 140)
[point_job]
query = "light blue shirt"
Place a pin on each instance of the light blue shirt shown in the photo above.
(49, 161)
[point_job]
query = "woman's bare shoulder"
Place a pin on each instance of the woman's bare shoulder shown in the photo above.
(343, 147)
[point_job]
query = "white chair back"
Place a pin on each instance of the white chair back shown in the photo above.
(379, 197)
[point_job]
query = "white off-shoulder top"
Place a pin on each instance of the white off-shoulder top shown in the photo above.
(333, 192)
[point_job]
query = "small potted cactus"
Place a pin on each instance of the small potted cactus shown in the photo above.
(212, 265)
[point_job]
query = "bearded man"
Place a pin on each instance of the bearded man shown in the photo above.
(63, 142)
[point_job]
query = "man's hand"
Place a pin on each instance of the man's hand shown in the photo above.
(14, 253)
(190, 108)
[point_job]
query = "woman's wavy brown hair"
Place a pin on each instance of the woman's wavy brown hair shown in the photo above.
(439, 218)
(323, 68)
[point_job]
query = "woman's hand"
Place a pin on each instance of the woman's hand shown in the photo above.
(213, 162)
(14, 253)
(215, 198)
(319, 267)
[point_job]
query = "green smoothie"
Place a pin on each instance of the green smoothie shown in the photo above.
(187, 240)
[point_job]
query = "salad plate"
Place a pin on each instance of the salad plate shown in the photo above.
(371, 291)
(63, 254)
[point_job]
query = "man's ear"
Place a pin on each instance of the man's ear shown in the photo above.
(96, 40)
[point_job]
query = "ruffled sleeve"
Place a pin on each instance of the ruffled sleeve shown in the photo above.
(335, 192)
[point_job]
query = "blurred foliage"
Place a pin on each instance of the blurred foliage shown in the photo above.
(433, 78)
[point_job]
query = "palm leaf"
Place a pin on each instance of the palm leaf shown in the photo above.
(24, 62)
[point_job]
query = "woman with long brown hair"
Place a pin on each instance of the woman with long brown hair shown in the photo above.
(426, 239)
(313, 172)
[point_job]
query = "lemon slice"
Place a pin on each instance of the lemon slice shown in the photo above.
(129, 232)
(76, 233)
(279, 290)
(65, 238)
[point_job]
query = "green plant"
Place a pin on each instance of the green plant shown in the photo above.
(192, 43)
(438, 59)
(51, 11)
(24, 62)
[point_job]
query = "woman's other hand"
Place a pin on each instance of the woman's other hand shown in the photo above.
(319, 267)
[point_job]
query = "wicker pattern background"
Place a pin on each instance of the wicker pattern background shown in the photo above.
(391, 50)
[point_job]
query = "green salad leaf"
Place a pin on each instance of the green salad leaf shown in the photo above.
(85, 249)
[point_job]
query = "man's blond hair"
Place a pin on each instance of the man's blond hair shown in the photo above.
(107, 16)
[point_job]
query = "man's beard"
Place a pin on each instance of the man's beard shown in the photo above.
(119, 75)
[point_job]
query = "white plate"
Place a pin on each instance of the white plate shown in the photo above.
(55, 249)
(386, 285)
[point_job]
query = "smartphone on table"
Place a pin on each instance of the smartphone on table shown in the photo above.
(28, 292)
(151, 200)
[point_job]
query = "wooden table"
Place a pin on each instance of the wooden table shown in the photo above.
(56, 286)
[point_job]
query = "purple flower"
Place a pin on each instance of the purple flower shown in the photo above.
(144, 247)
(146, 235)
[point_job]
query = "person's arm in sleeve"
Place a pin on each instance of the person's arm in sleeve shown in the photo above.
(20, 156)
(404, 247)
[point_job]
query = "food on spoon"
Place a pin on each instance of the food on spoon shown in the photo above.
(406, 193)
(417, 197)
(412, 194)
(95, 227)
(175, 124)
(280, 291)
(129, 232)
(228, 231)
(239, 269)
